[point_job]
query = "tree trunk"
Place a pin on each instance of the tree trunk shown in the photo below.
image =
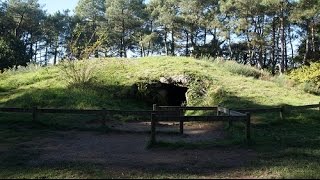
(19, 24)
(205, 37)
(306, 54)
(278, 48)
(122, 48)
(149, 43)
(313, 43)
(35, 52)
(291, 44)
(172, 43)
(142, 49)
(55, 55)
(187, 44)
(165, 41)
(229, 43)
(283, 38)
(273, 53)
(125, 51)
(56, 46)
(46, 57)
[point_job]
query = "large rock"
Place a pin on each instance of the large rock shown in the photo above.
(180, 80)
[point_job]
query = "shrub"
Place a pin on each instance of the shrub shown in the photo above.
(215, 96)
(240, 69)
(309, 76)
(78, 73)
(283, 81)
(311, 88)
(30, 67)
(196, 92)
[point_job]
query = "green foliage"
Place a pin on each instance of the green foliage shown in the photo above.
(78, 73)
(309, 76)
(30, 67)
(215, 95)
(13, 53)
(239, 69)
(284, 81)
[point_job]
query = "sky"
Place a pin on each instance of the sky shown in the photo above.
(53, 6)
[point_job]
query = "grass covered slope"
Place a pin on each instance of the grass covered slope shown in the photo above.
(211, 83)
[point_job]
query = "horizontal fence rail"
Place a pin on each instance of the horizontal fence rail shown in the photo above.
(198, 118)
(161, 109)
(277, 109)
(177, 114)
(17, 110)
(170, 113)
(81, 111)
(259, 110)
(188, 108)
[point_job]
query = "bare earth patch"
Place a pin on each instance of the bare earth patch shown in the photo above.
(127, 152)
(193, 132)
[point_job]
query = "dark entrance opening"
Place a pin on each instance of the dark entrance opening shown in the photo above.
(163, 94)
(172, 95)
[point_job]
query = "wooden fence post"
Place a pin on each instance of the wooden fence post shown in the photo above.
(34, 113)
(218, 113)
(282, 113)
(181, 120)
(230, 120)
(104, 114)
(248, 127)
(153, 129)
(155, 107)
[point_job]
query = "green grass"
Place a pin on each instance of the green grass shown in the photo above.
(47, 87)
(287, 148)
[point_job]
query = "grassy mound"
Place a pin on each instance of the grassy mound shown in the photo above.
(111, 81)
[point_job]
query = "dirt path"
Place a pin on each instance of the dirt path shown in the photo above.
(193, 132)
(128, 152)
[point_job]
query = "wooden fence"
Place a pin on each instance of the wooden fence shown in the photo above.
(177, 114)
(170, 113)
(103, 113)
(281, 110)
(223, 114)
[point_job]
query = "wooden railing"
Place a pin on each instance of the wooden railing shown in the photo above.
(170, 113)
(177, 114)
(223, 114)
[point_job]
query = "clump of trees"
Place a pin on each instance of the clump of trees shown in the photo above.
(261, 33)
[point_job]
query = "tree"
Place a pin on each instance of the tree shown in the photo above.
(307, 17)
(166, 16)
(55, 31)
(13, 53)
(124, 17)
(92, 14)
(28, 16)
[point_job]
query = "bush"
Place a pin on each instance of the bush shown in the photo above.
(240, 69)
(30, 67)
(196, 92)
(13, 53)
(311, 88)
(78, 73)
(215, 96)
(308, 76)
(283, 81)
